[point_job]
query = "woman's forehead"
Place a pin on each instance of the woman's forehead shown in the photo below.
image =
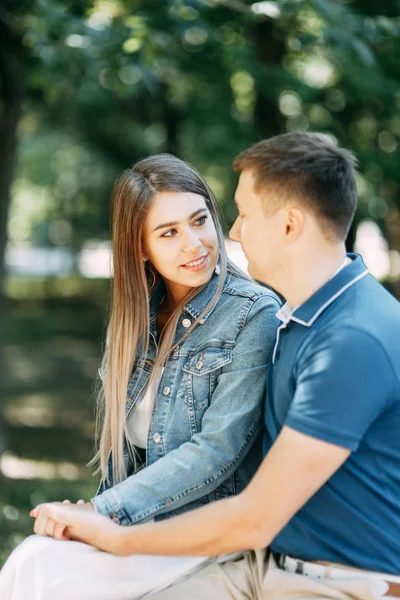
(173, 207)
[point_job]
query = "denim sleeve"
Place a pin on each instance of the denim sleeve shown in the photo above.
(229, 426)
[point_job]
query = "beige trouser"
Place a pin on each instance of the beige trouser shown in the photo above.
(254, 577)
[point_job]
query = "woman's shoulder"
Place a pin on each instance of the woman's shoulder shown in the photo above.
(249, 288)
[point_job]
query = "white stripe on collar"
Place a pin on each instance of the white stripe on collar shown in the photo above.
(285, 312)
(332, 299)
(347, 261)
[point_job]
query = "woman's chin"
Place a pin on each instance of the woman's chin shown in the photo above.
(194, 279)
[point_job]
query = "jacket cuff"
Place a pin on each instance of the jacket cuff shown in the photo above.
(107, 504)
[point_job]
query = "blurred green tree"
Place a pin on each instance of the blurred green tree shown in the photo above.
(108, 82)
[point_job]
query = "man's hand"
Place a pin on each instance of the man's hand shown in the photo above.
(77, 522)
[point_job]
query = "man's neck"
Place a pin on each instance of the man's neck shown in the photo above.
(309, 276)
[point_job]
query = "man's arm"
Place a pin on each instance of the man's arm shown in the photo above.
(294, 469)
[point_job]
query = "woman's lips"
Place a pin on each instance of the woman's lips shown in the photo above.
(197, 265)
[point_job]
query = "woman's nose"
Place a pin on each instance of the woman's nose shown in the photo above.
(191, 241)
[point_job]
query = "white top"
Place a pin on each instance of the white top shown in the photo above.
(139, 418)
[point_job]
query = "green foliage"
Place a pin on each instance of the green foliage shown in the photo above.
(110, 81)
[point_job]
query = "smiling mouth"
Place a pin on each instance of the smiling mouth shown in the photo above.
(196, 263)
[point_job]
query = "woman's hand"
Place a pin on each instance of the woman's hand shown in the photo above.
(77, 522)
(47, 527)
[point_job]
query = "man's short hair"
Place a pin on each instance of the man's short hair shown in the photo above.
(309, 168)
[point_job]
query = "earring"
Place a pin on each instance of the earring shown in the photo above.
(153, 283)
(217, 270)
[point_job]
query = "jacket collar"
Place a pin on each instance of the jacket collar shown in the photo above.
(308, 312)
(197, 304)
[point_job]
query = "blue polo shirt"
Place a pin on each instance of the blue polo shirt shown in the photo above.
(335, 376)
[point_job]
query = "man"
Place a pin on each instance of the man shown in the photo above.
(328, 490)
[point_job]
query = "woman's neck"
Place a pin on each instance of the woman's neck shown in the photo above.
(175, 294)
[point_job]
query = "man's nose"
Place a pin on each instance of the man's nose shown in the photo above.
(234, 233)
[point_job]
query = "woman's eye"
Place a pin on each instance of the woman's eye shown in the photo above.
(201, 220)
(169, 233)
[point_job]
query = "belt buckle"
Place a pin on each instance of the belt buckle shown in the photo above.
(299, 567)
(303, 567)
(281, 560)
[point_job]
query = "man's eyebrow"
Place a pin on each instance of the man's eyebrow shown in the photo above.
(173, 223)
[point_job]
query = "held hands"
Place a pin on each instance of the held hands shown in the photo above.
(66, 521)
(46, 526)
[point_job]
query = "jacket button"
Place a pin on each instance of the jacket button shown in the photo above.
(199, 365)
(166, 391)
(114, 518)
(186, 323)
(157, 438)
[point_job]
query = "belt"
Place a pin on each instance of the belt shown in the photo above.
(331, 571)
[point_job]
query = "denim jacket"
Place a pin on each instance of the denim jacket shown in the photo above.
(204, 441)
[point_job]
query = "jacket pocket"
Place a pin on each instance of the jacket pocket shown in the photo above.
(202, 370)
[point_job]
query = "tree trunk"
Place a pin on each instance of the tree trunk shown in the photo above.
(270, 47)
(170, 118)
(10, 108)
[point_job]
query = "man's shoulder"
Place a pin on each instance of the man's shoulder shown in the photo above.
(366, 312)
(373, 299)
(350, 347)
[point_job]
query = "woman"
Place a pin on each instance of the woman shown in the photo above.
(189, 335)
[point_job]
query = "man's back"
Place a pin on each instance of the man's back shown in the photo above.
(336, 377)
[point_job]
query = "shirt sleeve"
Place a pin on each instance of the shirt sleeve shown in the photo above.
(344, 381)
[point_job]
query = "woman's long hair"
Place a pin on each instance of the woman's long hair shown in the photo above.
(129, 322)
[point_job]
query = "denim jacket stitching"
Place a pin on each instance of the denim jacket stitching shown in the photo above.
(251, 296)
(191, 407)
(190, 352)
(245, 314)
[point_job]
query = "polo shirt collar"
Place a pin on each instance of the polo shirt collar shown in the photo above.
(308, 312)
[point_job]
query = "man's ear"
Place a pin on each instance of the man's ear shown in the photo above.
(295, 222)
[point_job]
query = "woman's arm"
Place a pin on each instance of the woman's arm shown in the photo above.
(200, 465)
